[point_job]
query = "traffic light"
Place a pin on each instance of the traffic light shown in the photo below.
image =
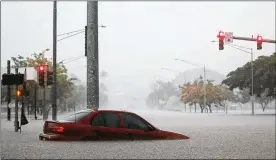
(259, 42)
(85, 42)
(49, 78)
(221, 40)
(41, 74)
(12, 79)
(7, 79)
(221, 45)
(19, 93)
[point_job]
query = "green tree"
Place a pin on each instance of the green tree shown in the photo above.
(264, 76)
(264, 99)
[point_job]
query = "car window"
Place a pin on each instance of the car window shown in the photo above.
(133, 122)
(106, 120)
(76, 116)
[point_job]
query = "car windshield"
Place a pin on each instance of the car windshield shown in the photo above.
(76, 116)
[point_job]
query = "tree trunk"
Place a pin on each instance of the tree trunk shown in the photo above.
(195, 107)
(185, 107)
(201, 108)
(40, 109)
(190, 108)
(48, 108)
(263, 106)
(210, 108)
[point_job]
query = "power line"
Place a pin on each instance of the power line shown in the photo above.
(78, 32)
(73, 60)
(70, 32)
(70, 36)
(68, 59)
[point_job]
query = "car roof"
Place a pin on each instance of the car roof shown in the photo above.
(113, 110)
(102, 110)
(85, 110)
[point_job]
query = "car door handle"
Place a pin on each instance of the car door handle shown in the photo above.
(127, 133)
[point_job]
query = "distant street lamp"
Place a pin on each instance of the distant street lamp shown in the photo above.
(102, 26)
(204, 74)
(44, 51)
(252, 71)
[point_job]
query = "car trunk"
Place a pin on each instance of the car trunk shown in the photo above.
(53, 127)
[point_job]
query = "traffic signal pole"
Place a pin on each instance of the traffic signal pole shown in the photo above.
(8, 92)
(252, 82)
(254, 39)
(16, 122)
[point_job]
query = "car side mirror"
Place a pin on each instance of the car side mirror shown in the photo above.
(150, 128)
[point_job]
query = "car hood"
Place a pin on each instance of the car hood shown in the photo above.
(172, 135)
(64, 121)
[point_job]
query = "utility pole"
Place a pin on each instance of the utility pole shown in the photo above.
(92, 55)
(8, 92)
(16, 122)
(54, 89)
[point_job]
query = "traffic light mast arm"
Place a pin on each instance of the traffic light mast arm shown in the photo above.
(254, 39)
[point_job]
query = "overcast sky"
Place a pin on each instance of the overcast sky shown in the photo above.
(141, 37)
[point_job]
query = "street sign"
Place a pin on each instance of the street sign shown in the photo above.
(228, 37)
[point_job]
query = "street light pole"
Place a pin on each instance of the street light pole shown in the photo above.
(204, 79)
(252, 70)
(252, 82)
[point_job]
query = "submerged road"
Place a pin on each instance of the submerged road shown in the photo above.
(211, 136)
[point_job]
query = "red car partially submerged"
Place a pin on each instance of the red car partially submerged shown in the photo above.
(104, 125)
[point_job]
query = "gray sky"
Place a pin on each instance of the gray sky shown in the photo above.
(141, 37)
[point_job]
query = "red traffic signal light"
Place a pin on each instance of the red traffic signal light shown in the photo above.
(221, 37)
(259, 42)
(42, 68)
(259, 39)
